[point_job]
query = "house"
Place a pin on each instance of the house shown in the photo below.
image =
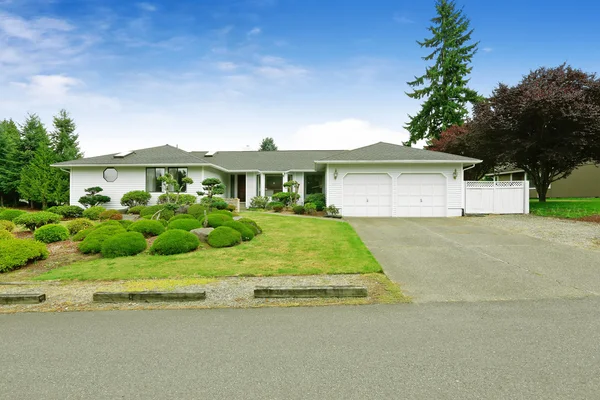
(584, 181)
(380, 180)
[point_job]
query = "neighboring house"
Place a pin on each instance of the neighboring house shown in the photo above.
(380, 180)
(584, 181)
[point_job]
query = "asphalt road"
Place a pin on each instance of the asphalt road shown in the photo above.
(544, 349)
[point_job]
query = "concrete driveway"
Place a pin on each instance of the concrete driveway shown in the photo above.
(457, 259)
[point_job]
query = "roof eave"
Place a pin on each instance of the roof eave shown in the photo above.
(467, 161)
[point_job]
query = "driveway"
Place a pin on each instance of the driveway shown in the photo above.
(461, 259)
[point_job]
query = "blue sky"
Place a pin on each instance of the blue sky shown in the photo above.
(209, 75)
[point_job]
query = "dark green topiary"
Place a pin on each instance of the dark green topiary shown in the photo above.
(224, 236)
(181, 216)
(184, 224)
(67, 211)
(51, 233)
(93, 213)
(18, 252)
(252, 224)
(9, 215)
(246, 232)
(216, 220)
(136, 198)
(34, 220)
(93, 241)
(197, 210)
(7, 225)
(78, 225)
(147, 227)
(123, 245)
(6, 235)
(175, 241)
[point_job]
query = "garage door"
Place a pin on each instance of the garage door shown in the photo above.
(367, 195)
(421, 195)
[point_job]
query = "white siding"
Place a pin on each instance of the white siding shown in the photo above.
(250, 187)
(223, 176)
(454, 186)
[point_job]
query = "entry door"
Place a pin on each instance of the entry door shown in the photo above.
(241, 188)
(421, 195)
(367, 195)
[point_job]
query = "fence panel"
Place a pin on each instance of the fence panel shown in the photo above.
(505, 197)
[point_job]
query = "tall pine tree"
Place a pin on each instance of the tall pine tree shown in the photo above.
(9, 164)
(445, 82)
(33, 132)
(65, 144)
(267, 144)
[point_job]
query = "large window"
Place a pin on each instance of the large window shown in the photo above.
(313, 183)
(154, 185)
(273, 184)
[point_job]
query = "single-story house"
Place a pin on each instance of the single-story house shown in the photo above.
(584, 181)
(380, 180)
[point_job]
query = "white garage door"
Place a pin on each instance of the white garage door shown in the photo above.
(421, 195)
(367, 195)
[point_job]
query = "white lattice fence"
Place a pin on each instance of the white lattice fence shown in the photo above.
(505, 197)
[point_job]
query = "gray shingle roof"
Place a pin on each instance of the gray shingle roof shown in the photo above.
(281, 160)
(392, 152)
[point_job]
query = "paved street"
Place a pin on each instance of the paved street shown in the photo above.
(548, 349)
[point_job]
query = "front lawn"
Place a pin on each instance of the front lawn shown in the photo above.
(288, 246)
(566, 208)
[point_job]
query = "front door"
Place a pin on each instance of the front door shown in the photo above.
(241, 186)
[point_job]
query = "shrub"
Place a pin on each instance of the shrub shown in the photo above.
(246, 232)
(110, 214)
(147, 227)
(9, 215)
(197, 210)
(93, 241)
(216, 220)
(252, 224)
(78, 225)
(7, 226)
(51, 233)
(32, 221)
(286, 198)
(6, 235)
(82, 234)
(224, 236)
(276, 206)
(136, 198)
(18, 252)
(298, 209)
(230, 208)
(224, 212)
(215, 202)
(92, 198)
(318, 199)
(175, 241)
(184, 199)
(181, 216)
(151, 210)
(124, 244)
(333, 211)
(259, 202)
(67, 211)
(93, 213)
(310, 208)
(185, 224)
(125, 223)
(136, 210)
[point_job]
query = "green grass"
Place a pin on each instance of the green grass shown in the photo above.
(288, 246)
(566, 207)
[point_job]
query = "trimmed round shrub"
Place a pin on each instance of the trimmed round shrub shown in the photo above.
(220, 204)
(151, 210)
(224, 236)
(123, 245)
(125, 223)
(79, 224)
(51, 233)
(136, 198)
(197, 210)
(185, 224)
(32, 221)
(310, 208)
(82, 234)
(110, 214)
(181, 216)
(276, 206)
(298, 210)
(18, 252)
(175, 241)
(93, 213)
(147, 227)
(6, 235)
(9, 215)
(93, 241)
(183, 199)
(252, 224)
(216, 220)
(7, 226)
(67, 211)
(246, 232)
(224, 212)
(136, 210)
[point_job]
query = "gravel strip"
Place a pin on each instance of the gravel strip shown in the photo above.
(563, 231)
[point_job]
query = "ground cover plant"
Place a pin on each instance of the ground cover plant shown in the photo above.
(566, 207)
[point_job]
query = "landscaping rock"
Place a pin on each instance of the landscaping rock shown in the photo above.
(309, 291)
(202, 233)
(237, 217)
(22, 298)
(148, 297)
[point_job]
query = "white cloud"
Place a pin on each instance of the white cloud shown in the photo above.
(48, 86)
(146, 6)
(487, 49)
(402, 19)
(254, 31)
(278, 68)
(32, 30)
(226, 66)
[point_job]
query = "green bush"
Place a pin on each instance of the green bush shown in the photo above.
(224, 236)
(9, 215)
(32, 221)
(147, 227)
(285, 198)
(184, 199)
(136, 198)
(151, 210)
(246, 232)
(136, 210)
(175, 241)
(214, 203)
(6, 235)
(7, 226)
(310, 208)
(125, 223)
(82, 234)
(224, 212)
(259, 202)
(18, 252)
(92, 198)
(181, 216)
(110, 214)
(298, 210)
(277, 206)
(67, 211)
(185, 224)
(93, 241)
(333, 211)
(216, 220)
(197, 210)
(51, 233)
(123, 245)
(93, 213)
(252, 224)
(79, 224)
(318, 199)
(230, 208)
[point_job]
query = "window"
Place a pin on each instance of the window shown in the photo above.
(110, 174)
(179, 174)
(273, 184)
(314, 183)
(154, 185)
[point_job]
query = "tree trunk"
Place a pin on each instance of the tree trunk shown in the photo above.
(542, 193)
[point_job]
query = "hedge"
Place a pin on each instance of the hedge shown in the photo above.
(18, 252)
(224, 236)
(51, 233)
(175, 241)
(123, 244)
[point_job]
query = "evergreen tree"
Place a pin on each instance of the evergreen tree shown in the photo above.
(33, 133)
(38, 178)
(9, 165)
(65, 144)
(447, 93)
(267, 144)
